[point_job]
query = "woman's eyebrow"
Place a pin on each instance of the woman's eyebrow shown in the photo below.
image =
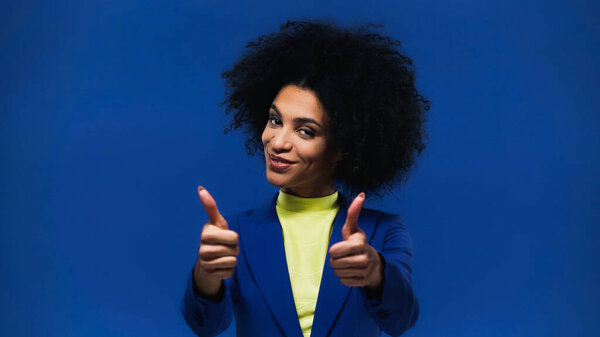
(304, 120)
(274, 107)
(298, 120)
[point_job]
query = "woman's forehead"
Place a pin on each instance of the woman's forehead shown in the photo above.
(295, 102)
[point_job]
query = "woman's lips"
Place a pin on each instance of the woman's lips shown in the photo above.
(278, 166)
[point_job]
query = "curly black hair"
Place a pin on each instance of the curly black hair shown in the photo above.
(364, 83)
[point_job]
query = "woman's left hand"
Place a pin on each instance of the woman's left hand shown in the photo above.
(353, 260)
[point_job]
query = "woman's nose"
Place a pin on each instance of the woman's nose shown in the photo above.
(281, 142)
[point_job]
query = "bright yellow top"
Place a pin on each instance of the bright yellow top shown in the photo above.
(306, 224)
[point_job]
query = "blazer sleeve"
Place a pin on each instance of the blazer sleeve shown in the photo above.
(397, 309)
(207, 317)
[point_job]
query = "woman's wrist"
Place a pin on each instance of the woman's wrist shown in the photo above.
(375, 288)
(205, 286)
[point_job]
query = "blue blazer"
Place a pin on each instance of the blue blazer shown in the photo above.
(260, 294)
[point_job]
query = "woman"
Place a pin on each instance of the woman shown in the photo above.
(330, 108)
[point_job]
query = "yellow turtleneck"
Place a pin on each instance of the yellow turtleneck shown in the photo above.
(306, 224)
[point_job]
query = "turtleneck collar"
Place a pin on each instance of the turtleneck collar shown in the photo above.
(294, 203)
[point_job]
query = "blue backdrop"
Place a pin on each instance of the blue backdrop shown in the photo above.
(109, 121)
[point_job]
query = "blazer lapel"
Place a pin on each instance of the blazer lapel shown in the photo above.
(263, 245)
(333, 294)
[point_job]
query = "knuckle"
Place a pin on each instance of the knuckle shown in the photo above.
(234, 236)
(205, 264)
(357, 245)
(363, 261)
(207, 236)
(203, 251)
(205, 267)
(211, 250)
(208, 227)
(334, 251)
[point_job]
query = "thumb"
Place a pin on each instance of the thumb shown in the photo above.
(351, 224)
(210, 205)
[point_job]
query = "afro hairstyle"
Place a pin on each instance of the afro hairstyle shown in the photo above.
(366, 86)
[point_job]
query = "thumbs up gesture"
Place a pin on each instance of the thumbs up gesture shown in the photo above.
(353, 260)
(217, 256)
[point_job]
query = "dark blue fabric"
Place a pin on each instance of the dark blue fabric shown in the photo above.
(260, 294)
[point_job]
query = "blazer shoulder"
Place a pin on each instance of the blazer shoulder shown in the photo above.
(236, 218)
(239, 214)
(383, 218)
(385, 226)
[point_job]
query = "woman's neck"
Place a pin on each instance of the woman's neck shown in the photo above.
(309, 193)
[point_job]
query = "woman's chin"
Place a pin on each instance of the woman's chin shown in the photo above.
(274, 181)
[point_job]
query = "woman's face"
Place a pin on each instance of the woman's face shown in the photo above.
(297, 145)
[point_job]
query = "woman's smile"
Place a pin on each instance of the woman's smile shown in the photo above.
(279, 164)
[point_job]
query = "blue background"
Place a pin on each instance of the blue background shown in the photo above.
(109, 121)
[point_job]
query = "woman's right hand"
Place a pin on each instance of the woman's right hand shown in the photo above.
(217, 256)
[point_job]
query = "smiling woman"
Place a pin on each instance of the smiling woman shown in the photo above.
(331, 109)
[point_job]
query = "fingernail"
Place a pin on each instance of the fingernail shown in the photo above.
(362, 195)
(200, 188)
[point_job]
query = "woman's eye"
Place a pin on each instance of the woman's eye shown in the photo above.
(274, 120)
(307, 132)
